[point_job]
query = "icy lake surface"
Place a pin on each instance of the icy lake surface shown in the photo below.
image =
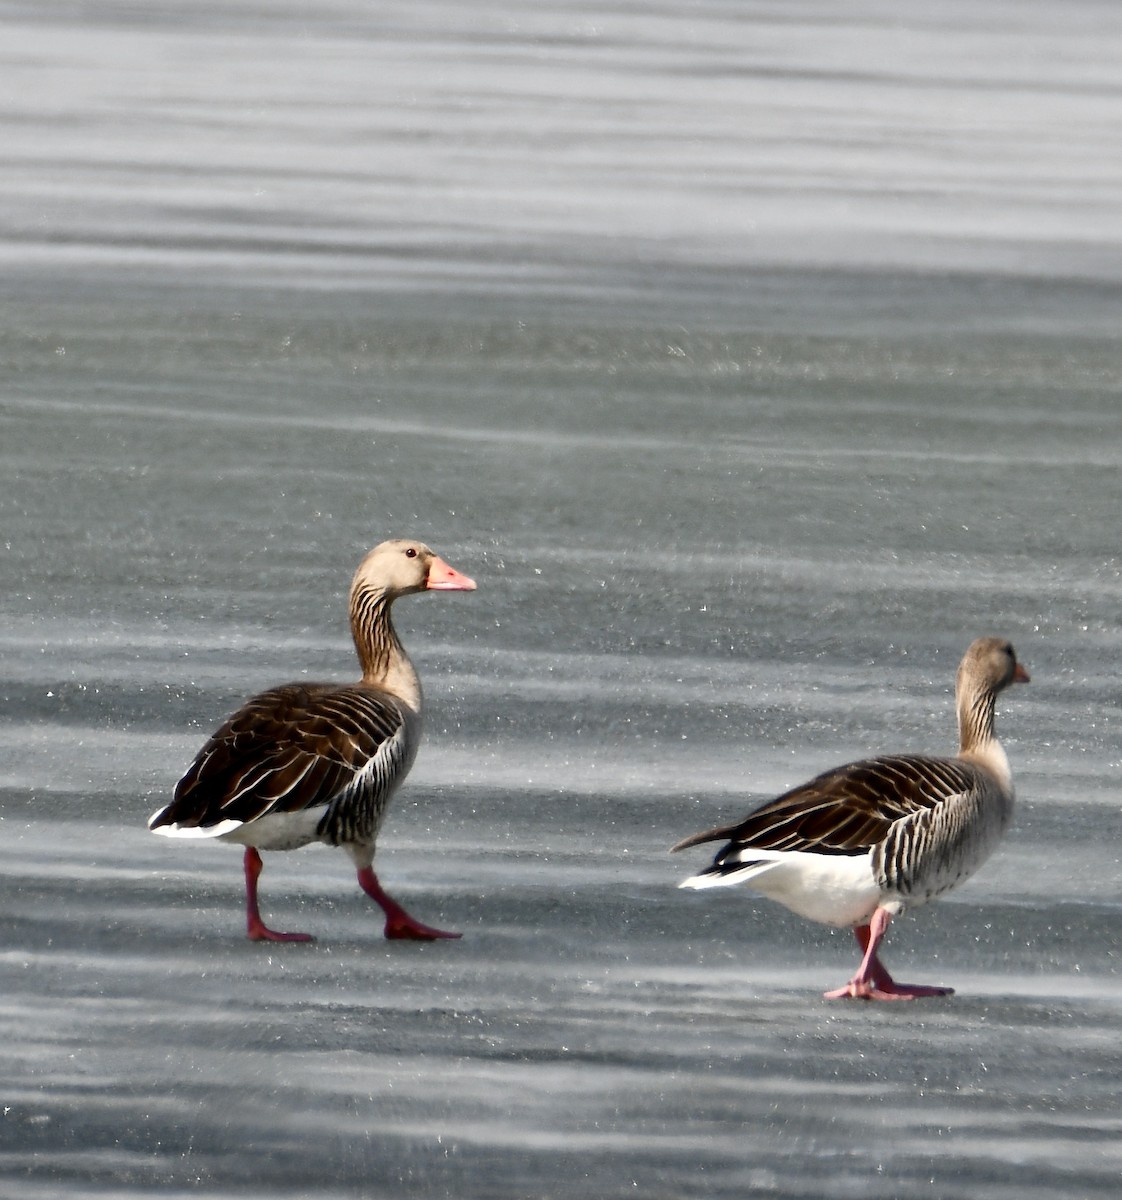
(753, 359)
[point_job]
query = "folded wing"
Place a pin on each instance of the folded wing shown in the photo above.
(847, 810)
(287, 750)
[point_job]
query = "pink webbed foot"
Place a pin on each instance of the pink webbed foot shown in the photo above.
(402, 925)
(399, 924)
(857, 989)
(872, 981)
(256, 929)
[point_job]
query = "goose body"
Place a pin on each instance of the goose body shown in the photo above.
(862, 842)
(319, 762)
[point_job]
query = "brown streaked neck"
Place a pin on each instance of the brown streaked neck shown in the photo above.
(976, 708)
(977, 736)
(380, 652)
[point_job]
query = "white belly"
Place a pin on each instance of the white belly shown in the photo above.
(833, 889)
(277, 831)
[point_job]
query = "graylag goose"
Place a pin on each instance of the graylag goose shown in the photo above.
(318, 762)
(859, 844)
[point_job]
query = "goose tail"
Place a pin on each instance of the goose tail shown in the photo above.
(728, 873)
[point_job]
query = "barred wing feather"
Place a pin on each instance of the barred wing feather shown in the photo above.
(849, 809)
(290, 749)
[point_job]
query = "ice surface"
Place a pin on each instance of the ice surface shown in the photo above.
(752, 363)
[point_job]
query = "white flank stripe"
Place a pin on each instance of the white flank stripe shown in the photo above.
(210, 831)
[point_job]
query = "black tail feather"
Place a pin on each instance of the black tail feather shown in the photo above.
(721, 834)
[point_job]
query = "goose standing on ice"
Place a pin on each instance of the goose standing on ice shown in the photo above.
(318, 762)
(859, 844)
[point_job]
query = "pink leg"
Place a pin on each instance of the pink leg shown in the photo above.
(878, 972)
(872, 981)
(399, 924)
(256, 929)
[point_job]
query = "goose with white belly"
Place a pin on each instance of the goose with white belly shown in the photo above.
(319, 762)
(859, 844)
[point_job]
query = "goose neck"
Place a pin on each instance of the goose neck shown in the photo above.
(976, 709)
(380, 652)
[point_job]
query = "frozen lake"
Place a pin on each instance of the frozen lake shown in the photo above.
(753, 362)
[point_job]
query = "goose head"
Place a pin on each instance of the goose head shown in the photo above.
(989, 666)
(401, 566)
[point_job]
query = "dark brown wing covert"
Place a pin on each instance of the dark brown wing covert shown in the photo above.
(291, 748)
(849, 809)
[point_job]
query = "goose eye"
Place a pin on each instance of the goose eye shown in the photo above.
(411, 553)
